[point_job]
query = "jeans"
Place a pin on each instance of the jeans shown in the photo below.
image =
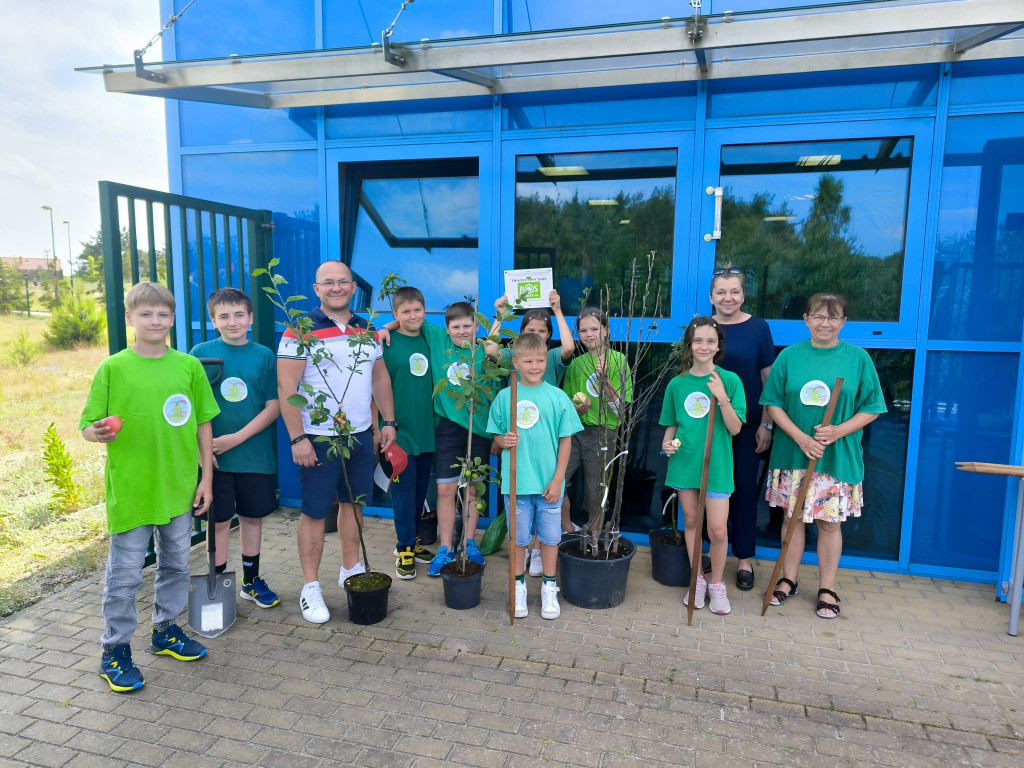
(407, 497)
(534, 511)
(173, 541)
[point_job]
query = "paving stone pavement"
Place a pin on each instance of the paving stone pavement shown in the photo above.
(914, 672)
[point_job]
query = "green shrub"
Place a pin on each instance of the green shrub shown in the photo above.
(60, 472)
(22, 350)
(76, 320)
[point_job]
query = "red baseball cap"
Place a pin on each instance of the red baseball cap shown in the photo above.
(394, 461)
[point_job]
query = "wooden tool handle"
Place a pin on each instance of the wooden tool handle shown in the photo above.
(510, 513)
(983, 468)
(702, 499)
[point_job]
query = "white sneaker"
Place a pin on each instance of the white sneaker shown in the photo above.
(521, 610)
(719, 599)
(311, 600)
(549, 608)
(536, 563)
(702, 590)
(356, 570)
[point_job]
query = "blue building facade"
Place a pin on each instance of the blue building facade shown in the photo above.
(901, 187)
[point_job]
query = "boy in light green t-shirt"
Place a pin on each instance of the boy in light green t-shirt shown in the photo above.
(152, 407)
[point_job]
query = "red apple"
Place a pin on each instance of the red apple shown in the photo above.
(113, 423)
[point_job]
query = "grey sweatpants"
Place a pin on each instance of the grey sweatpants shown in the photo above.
(586, 453)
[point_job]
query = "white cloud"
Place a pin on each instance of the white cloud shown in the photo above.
(60, 132)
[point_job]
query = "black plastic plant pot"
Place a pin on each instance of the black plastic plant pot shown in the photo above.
(367, 597)
(670, 560)
(462, 590)
(589, 582)
(426, 529)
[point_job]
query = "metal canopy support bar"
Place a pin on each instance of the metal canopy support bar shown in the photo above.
(734, 45)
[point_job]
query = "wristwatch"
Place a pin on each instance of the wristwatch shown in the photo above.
(393, 424)
(298, 439)
(769, 427)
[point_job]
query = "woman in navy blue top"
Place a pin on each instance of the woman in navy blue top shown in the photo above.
(749, 353)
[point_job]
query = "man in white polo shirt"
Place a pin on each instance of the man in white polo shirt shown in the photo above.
(321, 477)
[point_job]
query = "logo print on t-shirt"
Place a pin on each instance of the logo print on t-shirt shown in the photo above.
(177, 409)
(697, 405)
(815, 393)
(418, 364)
(456, 372)
(593, 385)
(233, 389)
(527, 414)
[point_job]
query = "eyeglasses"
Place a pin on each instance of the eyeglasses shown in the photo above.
(328, 284)
(826, 319)
(726, 271)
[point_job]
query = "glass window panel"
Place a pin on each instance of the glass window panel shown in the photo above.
(349, 23)
(587, 215)
(535, 15)
(968, 416)
(411, 217)
(411, 118)
(205, 124)
(600, 106)
(979, 247)
(824, 92)
(209, 30)
(981, 82)
(818, 216)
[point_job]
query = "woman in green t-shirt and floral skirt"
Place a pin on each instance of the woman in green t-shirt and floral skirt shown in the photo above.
(798, 389)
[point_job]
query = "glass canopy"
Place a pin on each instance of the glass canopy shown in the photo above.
(853, 35)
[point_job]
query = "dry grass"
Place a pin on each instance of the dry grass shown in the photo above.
(39, 551)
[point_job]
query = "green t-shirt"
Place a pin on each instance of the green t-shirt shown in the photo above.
(545, 414)
(553, 371)
(248, 383)
(153, 465)
(686, 406)
(450, 363)
(582, 377)
(408, 364)
(801, 382)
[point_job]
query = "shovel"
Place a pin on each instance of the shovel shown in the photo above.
(212, 598)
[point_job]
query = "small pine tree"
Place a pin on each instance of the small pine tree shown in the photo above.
(76, 320)
(60, 472)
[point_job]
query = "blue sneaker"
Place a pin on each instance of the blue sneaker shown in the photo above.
(259, 593)
(441, 559)
(120, 672)
(473, 553)
(173, 642)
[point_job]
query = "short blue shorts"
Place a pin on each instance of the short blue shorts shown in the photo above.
(711, 494)
(323, 483)
(547, 516)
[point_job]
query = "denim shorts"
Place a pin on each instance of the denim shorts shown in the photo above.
(322, 483)
(547, 516)
(711, 494)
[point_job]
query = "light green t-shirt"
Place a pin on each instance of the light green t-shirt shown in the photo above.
(801, 383)
(686, 406)
(408, 363)
(153, 465)
(545, 414)
(248, 383)
(450, 363)
(582, 377)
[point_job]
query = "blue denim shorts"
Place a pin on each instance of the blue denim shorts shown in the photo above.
(321, 484)
(711, 494)
(547, 516)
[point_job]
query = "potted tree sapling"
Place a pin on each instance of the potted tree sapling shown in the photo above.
(367, 593)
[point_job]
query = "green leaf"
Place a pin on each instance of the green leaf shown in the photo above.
(297, 400)
(482, 319)
(274, 262)
(279, 279)
(258, 272)
(271, 289)
(294, 298)
(508, 333)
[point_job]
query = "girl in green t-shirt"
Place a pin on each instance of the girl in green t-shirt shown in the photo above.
(684, 415)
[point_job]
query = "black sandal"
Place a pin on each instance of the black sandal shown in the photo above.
(831, 608)
(779, 597)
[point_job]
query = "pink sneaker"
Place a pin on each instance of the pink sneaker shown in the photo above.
(719, 599)
(702, 590)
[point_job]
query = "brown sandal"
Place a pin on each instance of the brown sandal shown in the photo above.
(831, 608)
(779, 597)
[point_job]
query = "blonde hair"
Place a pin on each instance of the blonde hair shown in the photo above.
(528, 342)
(152, 294)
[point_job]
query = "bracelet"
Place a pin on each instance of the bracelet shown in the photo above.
(769, 427)
(392, 424)
(298, 439)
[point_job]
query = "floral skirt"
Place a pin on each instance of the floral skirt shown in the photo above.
(827, 498)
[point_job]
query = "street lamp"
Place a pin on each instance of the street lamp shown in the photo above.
(71, 259)
(53, 244)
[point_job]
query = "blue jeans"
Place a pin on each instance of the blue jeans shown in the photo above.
(173, 541)
(535, 510)
(408, 495)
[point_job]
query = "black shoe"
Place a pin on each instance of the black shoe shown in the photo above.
(744, 579)
(705, 563)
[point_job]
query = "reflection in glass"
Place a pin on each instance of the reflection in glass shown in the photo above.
(978, 282)
(600, 106)
(411, 118)
(817, 216)
(876, 533)
(587, 215)
(419, 219)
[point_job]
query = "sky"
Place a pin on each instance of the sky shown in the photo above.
(60, 132)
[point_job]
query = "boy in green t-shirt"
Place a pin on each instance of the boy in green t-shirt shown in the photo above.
(152, 407)
(243, 437)
(407, 358)
(547, 421)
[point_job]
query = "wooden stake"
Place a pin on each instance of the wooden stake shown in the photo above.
(800, 499)
(702, 500)
(510, 513)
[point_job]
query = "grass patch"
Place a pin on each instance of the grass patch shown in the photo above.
(41, 551)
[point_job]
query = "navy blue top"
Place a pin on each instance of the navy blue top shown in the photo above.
(748, 349)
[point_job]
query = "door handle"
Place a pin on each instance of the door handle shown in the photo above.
(717, 233)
